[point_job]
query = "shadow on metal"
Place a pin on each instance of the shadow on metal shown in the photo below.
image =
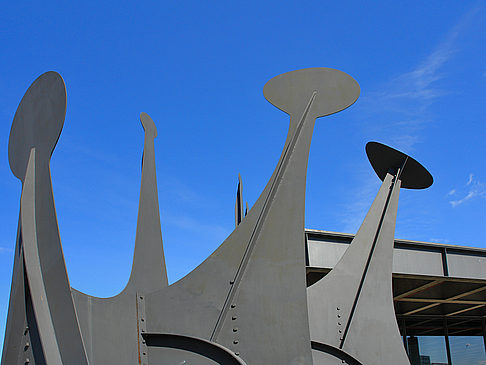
(336, 352)
(210, 350)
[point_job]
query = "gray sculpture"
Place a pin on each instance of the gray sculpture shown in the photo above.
(239, 297)
(247, 302)
(355, 299)
(42, 326)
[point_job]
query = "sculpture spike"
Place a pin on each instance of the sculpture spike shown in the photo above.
(121, 317)
(239, 202)
(358, 325)
(148, 270)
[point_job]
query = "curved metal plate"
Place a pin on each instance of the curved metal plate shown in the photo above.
(384, 158)
(38, 121)
(211, 352)
(336, 353)
(290, 91)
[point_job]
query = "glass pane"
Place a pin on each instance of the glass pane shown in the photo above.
(427, 350)
(467, 350)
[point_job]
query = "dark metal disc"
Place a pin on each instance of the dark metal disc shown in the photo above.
(384, 158)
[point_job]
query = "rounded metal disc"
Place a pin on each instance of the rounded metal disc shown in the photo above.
(291, 91)
(384, 158)
(38, 121)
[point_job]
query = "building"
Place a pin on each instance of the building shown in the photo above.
(439, 294)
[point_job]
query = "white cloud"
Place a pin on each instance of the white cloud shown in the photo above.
(191, 224)
(355, 211)
(469, 195)
(439, 240)
(404, 101)
(473, 189)
(5, 249)
(405, 142)
(418, 84)
(401, 108)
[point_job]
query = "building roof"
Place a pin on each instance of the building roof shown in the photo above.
(437, 288)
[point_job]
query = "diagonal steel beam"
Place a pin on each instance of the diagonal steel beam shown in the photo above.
(419, 289)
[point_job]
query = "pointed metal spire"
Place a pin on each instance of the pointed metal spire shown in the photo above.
(108, 322)
(148, 270)
(351, 309)
(239, 203)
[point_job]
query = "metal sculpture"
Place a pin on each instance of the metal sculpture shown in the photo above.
(42, 323)
(355, 298)
(247, 302)
(239, 214)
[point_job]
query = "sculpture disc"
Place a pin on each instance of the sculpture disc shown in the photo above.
(290, 92)
(384, 158)
(38, 121)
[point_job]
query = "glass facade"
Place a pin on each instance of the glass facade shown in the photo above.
(432, 350)
(427, 350)
(467, 350)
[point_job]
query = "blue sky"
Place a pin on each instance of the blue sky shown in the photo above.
(198, 69)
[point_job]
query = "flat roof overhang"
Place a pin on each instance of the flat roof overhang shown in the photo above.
(437, 289)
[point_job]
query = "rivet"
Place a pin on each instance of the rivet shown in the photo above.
(143, 320)
(237, 353)
(143, 341)
(27, 360)
(233, 305)
(140, 298)
(339, 323)
(235, 329)
(233, 318)
(143, 330)
(232, 282)
(144, 353)
(340, 331)
(339, 316)
(337, 308)
(235, 342)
